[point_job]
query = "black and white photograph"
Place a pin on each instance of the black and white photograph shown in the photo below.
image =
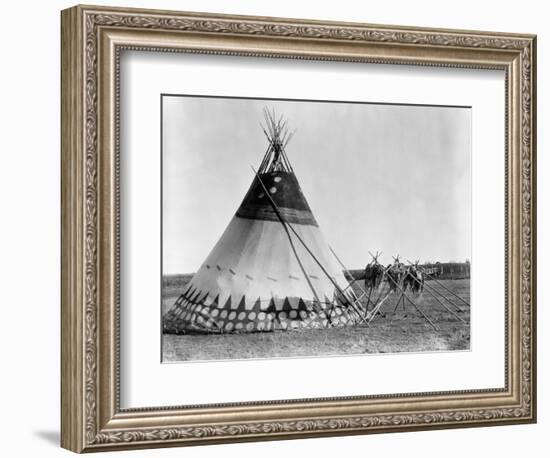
(255, 223)
(301, 228)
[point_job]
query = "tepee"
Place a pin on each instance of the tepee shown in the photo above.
(271, 269)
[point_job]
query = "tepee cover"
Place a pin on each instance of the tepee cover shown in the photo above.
(271, 269)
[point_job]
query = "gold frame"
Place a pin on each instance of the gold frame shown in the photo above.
(92, 38)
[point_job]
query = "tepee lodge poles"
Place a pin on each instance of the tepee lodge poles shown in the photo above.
(396, 283)
(278, 137)
(277, 134)
(352, 282)
(431, 290)
(435, 297)
(384, 272)
(401, 279)
(396, 275)
(443, 286)
(403, 294)
(286, 224)
(323, 299)
(377, 304)
(373, 263)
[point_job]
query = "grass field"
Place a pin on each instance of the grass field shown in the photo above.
(392, 331)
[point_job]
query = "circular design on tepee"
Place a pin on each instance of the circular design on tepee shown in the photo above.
(221, 307)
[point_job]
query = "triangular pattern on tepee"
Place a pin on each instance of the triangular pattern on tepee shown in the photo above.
(271, 269)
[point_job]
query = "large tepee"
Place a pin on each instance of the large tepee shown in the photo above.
(271, 269)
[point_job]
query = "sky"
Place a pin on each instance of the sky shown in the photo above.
(390, 178)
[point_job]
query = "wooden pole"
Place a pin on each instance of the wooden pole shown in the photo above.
(285, 224)
(359, 305)
(441, 284)
(368, 298)
(386, 269)
(433, 295)
(329, 321)
(443, 296)
(381, 286)
(377, 308)
(397, 303)
(354, 280)
(413, 304)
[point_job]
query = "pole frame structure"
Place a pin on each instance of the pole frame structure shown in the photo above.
(442, 285)
(287, 224)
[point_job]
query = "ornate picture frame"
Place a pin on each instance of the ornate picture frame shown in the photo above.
(92, 40)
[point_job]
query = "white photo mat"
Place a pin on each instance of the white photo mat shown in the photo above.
(145, 382)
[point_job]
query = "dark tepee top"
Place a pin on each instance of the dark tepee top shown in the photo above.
(276, 177)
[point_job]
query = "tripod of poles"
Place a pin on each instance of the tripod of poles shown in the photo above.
(409, 282)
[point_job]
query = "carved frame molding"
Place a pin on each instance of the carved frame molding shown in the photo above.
(92, 39)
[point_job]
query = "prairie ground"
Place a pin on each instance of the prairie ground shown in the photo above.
(394, 330)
